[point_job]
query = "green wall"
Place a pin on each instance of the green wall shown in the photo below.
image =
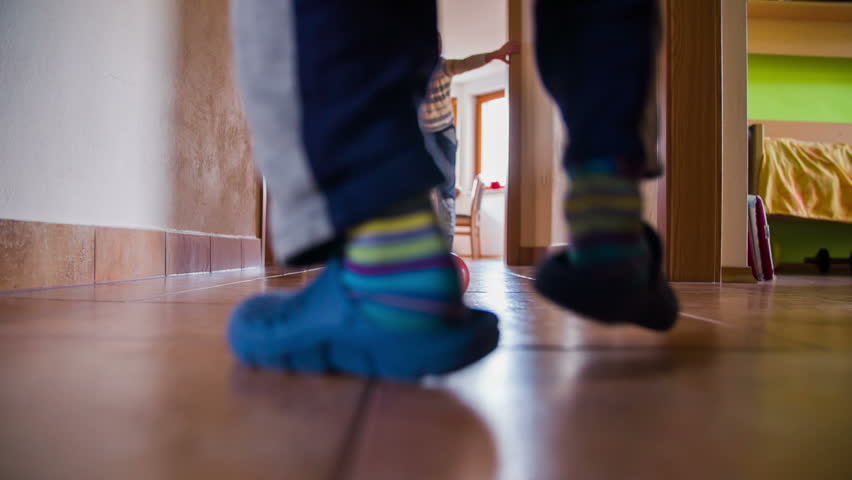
(805, 89)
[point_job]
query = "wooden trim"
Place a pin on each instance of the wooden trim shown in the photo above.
(808, 269)
(804, 221)
(734, 153)
(455, 103)
(817, 29)
(267, 252)
(512, 247)
(532, 255)
(532, 134)
(820, 11)
(737, 275)
(480, 101)
(825, 132)
(481, 257)
(264, 220)
(755, 156)
(693, 130)
(47, 255)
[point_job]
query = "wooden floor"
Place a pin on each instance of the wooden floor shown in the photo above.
(134, 381)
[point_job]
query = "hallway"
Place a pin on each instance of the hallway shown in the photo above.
(134, 380)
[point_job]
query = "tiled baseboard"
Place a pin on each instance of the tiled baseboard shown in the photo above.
(125, 253)
(42, 255)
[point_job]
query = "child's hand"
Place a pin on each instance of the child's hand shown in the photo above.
(504, 53)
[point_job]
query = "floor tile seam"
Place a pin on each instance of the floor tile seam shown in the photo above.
(281, 275)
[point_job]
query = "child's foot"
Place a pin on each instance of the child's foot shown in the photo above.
(391, 307)
(603, 294)
(613, 270)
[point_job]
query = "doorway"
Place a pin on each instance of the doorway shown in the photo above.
(482, 122)
(491, 164)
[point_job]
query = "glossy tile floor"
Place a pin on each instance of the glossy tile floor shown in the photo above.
(134, 381)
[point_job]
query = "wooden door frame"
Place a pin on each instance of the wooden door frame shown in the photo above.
(691, 200)
(690, 128)
(267, 256)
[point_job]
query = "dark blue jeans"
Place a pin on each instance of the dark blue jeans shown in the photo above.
(331, 90)
(443, 146)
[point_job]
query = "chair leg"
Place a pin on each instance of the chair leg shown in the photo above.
(475, 247)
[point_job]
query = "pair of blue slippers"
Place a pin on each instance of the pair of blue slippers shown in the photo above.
(320, 330)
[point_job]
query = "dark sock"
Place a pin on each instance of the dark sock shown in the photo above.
(604, 214)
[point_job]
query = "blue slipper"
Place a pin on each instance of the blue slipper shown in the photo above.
(601, 294)
(320, 330)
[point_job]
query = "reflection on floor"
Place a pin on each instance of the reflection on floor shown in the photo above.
(134, 380)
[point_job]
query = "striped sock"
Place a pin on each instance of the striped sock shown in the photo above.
(400, 269)
(604, 212)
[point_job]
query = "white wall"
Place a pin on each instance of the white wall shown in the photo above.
(466, 93)
(470, 27)
(86, 110)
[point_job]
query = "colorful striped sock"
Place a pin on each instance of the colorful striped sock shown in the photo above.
(399, 267)
(604, 213)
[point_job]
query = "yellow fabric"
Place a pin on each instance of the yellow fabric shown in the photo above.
(807, 179)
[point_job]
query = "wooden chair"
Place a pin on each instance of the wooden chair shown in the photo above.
(470, 224)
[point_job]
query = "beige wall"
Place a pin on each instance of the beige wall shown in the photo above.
(734, 134)
(122, 114)
(213, 175)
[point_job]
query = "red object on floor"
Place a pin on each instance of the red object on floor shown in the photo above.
(464, 272)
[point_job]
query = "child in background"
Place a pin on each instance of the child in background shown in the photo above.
(437, 120)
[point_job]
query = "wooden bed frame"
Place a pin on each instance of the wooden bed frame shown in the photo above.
(804, 131)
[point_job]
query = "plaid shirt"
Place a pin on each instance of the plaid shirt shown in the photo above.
(436, 112)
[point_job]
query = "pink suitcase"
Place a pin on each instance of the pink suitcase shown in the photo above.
(759, 247)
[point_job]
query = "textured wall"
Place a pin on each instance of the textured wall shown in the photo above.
(215, 187)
